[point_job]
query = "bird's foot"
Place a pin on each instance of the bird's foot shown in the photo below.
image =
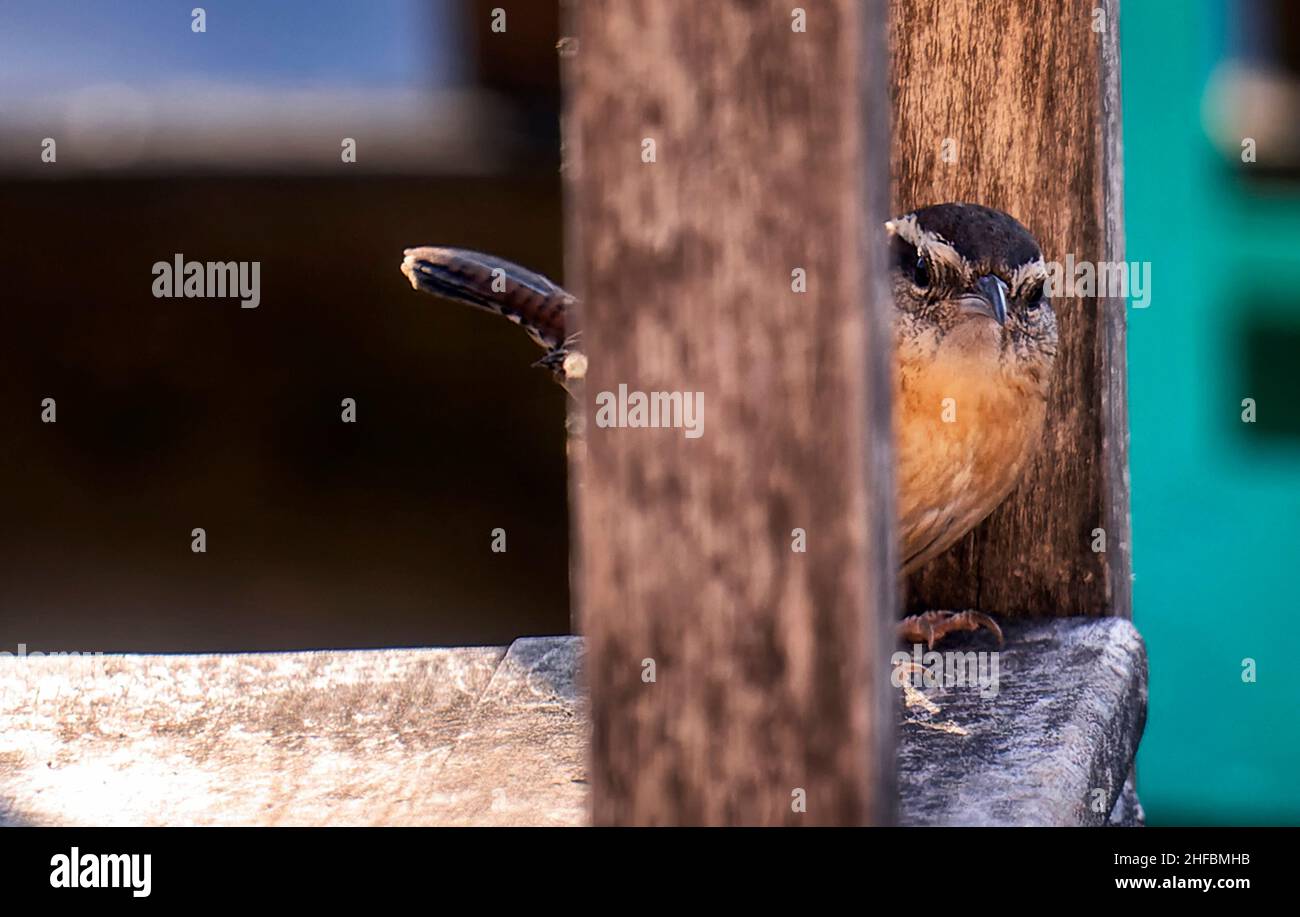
(932, 626)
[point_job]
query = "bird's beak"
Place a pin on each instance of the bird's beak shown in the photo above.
(991, 300)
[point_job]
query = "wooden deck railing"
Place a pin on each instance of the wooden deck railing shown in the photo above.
(735, 576)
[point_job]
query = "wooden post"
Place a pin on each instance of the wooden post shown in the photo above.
(726, 180)
(1026, 95)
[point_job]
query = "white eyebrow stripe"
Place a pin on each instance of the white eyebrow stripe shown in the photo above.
(1026, 274)
(927, 243)
(938, 250)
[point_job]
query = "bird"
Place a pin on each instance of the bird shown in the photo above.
(975, 341)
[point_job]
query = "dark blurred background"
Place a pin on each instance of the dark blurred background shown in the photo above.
(183, 413)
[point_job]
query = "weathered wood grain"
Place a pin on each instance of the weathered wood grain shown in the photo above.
(1030, 94)
(409, 737)
(770, 155)
(497, 736)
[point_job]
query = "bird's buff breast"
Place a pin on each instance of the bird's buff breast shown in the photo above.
(956, 460)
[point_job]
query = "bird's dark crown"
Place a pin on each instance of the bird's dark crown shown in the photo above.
(960, 243)
(983, 236)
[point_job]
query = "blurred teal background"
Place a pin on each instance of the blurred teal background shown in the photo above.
(1216, 501)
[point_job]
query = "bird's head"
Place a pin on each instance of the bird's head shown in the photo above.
(972, 278)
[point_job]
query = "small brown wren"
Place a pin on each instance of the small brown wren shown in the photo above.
(975, 340)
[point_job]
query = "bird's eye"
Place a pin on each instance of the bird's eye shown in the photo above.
(1034, 301)
(921, 273)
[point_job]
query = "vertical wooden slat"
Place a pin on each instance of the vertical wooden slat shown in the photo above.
(770, 155)
(1029, 92)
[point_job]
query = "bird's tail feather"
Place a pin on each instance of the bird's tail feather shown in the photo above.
(487, 282)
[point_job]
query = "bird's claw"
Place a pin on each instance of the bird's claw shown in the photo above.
(932, 626)
(566, 362)
(554, 361)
